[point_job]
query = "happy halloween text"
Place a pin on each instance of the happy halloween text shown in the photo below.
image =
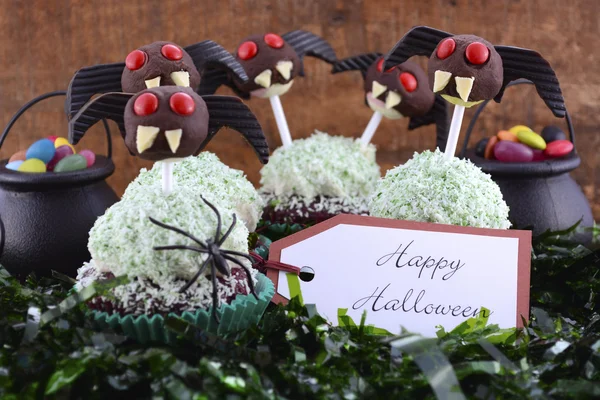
(417, 303)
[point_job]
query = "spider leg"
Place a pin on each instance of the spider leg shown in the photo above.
(250, 283)
(218, 232)
(180, 247)
(196, 276)
(215, 294)
(226, 235)
(180, 231)
(237, 253)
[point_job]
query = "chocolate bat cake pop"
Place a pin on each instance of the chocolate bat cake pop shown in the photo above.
(400, 91)
(170, 122)
(467, 69)
(271, 62)
(152, 65)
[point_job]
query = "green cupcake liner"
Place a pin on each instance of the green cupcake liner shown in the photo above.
(243, 312)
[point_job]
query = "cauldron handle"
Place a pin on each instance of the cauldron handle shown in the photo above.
(482, 106)
(45, 96)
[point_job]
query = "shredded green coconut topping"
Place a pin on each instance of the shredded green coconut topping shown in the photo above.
(122, 240)
(429, 188)
(206, 175)
(321, 165)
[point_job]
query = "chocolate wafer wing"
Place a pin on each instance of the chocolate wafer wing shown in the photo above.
(213, 78)
(419, 41)
(88, 81)
(108, 105)
(361, 63)
(231, 112)
(528, 64)
(437, 115)
(307, 43)
(208, 54)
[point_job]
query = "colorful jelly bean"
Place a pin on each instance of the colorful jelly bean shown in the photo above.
(507, 151)
(18, 156)
(41, 150)
(74, 162)
(32, 165)
(507, 135)
(489, 148)
(61, 152)
(531, 139)
(14, 165)
(517, 128)
(63, 142)
(558, 148)
(538, 155)
(553, 133)
(89, 156)
(480, 147)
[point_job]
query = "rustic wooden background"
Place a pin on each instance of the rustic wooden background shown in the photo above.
(42, 42)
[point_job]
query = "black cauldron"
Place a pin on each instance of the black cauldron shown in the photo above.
(541, 195)
(45, 218)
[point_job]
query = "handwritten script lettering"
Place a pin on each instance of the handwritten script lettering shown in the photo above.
(415, 303)
(422, 263)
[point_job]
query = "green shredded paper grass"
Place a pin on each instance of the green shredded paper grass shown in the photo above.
(50, 349)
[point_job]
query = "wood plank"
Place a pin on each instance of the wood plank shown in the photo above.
(42, 42)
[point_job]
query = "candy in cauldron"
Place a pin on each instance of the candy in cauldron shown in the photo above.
(45, 217)
(541, 194)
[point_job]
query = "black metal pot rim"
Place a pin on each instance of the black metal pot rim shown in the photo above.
(540, 169)
(22, 181)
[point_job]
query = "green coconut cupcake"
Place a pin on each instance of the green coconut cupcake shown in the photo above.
(205, 175)
(317, 178)
(430, 188)
(163, 282)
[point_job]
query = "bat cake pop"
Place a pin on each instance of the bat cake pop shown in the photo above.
(156, 64)
(272, 62)
(466, 70)
(400, 91)
(168, 123)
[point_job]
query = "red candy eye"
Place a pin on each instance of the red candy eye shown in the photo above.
(135, 60)
(171, 52)
(274, 41)
(446, 48)
(145, 104)
(182, 104)
(247, 50)
(409, 81)
(477, 53)
(380, 65)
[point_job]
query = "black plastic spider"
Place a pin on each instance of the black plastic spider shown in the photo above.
(217, 257)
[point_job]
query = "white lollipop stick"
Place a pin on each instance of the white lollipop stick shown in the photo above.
(167, 177)
(371, 128)
(284, 131)
(457, 117)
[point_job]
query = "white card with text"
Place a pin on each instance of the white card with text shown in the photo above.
(409, 274)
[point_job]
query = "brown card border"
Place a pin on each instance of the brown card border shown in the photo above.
(524, 237)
